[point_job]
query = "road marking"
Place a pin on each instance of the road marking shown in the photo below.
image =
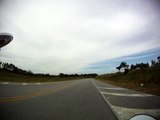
(111, 88)
(127, 95)
(38, 93)
(107, 101)
(24, 83)
(38, 83)
(127, 113)
(5, 83)
(42, 92)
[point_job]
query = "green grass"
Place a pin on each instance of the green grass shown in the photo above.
(7, 76)
(150, 77)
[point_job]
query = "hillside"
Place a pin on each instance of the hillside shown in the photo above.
(145, 80)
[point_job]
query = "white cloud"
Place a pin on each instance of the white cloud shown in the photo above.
(65, 36)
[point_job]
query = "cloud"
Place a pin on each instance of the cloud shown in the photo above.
(66, 36)
(109, 66)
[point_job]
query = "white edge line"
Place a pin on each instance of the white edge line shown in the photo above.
(110, 105)
(5, 83)
(127, 95)
(24, 83)
(112, 88)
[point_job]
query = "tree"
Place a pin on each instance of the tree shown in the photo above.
(142, 65)
(153, 63)
(0, 65)
(118, 68)
(29, 72)
(133, 67)
(158, 58)
(61, 75)
(124, 66)
(5, 66)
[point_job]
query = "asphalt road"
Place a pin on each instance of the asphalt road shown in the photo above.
(86, 99)
(73, 100)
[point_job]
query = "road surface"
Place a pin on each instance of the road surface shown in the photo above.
(85, 99)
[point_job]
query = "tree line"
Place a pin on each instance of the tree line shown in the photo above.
(14, 69)
(124, 67)
(90, 75)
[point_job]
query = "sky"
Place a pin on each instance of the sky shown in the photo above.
(79, 36)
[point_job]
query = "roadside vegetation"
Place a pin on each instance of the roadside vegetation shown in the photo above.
(140, 77)
(10, 73)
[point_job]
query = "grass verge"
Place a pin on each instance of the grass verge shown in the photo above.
(143, 80)
(6, 76)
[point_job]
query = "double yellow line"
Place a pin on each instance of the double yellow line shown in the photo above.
(38, 93)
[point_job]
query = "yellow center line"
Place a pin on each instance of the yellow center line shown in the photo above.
(38, 93)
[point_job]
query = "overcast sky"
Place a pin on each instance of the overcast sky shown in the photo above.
(79, 36)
